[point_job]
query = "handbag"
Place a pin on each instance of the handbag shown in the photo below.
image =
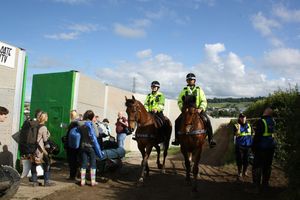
(127, 131)
(51, 147)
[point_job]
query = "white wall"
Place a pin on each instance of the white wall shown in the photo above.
(11, 81)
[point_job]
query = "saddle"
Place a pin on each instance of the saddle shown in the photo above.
(159, 121)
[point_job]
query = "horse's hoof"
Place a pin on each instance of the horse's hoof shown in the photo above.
(163, 171)
(140, 182)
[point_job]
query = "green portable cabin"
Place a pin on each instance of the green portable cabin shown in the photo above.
(59, 93)
(13, 65)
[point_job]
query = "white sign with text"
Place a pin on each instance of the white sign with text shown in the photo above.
(7, 55)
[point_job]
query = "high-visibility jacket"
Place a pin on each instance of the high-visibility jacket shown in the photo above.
(244, 130)
(155, 101)
(269, 128)
(201, 101)
(244, 134)
(265, 130)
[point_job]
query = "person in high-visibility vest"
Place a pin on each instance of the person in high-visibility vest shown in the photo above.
(201, 104)
(155, 102)
(263, 147)
(243, 141)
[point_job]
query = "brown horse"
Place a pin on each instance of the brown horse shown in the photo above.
(148, 134)
(192, 134)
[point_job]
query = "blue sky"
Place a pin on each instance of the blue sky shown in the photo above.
(236, 48)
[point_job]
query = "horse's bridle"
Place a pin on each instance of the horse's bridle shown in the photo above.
(136, 110)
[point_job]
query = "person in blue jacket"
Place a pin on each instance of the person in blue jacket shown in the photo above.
(263, 147)
(243, 141)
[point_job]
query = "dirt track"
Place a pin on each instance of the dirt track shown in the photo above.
(216, 180)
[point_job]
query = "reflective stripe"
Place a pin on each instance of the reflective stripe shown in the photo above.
(195, 132)
(266, 133)
(244, 133)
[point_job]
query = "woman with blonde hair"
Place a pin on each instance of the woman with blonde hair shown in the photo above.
(41, 156)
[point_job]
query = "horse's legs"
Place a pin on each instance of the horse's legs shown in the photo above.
(145, 162)
(166, 147)
(157, 147)
(143, 152)
(187, 165)
(197, 157)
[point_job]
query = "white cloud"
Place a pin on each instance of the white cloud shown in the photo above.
(231, 79)
(141, 23)
(212, 52)
(285, 14)
(128, 32)
(284, 62)
(167, 14)
(263, 24)
(207, 2)
(63, 36)
(83, 28)
(73, 2)
(75, 31)
(144, 54)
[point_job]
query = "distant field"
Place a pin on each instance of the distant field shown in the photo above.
(239, 105)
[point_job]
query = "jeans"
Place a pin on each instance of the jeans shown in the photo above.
(46, 168)
(88, 155)
(121, 139)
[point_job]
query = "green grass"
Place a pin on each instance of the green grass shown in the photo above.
(173, 150)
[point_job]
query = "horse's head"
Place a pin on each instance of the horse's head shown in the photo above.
(133, 112)
(191, 118)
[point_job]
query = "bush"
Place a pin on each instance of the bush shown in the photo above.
(286, 106)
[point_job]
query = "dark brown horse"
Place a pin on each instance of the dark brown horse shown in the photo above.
(148, 134)
(192, 134)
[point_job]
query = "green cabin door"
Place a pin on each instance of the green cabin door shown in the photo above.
(54, 94)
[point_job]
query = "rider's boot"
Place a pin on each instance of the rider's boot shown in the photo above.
(207, 122)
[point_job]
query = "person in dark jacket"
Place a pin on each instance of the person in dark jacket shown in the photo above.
(72, 154)
(243, 141)
(263, 148)
(87, 151)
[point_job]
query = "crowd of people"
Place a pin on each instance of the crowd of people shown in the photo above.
(94, 133)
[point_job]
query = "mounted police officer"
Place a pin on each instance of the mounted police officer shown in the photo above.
(263, 148)
(201, 104)
(155, 102)
(243, 141)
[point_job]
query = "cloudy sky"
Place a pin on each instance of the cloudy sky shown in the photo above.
(236, 48)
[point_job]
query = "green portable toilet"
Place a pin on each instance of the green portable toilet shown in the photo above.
(59, 93)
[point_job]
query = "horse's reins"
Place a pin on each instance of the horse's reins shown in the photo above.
(136, 110)
(194, 132)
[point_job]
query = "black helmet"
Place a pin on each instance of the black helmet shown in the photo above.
(190, 76)
(155, 84)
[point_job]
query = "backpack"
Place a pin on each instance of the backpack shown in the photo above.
(74, 138)
(28, 137)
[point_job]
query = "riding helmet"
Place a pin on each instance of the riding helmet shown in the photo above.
(190, 76)
(155, 84)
